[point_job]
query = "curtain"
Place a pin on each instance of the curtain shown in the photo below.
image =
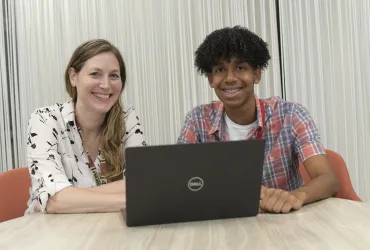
(10, 129)
(157, 39)
(325, 59)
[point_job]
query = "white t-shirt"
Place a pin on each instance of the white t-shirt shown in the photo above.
(238, 132)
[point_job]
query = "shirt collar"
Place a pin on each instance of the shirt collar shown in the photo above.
(218, 120)
(68, 113)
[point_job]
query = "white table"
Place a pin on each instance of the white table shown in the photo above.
(329, 224)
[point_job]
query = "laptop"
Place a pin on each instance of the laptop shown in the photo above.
(193, 182)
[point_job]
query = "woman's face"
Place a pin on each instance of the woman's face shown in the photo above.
(98, 84)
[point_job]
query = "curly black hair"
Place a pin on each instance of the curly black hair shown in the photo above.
(229, 42)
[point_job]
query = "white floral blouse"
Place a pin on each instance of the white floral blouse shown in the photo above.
(56, 157)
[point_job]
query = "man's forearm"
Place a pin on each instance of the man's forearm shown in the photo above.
(319, 188)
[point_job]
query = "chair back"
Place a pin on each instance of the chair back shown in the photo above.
(14, 193)
(339, 167)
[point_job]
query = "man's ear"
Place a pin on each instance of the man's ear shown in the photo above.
(257, 75)
(210, 79)
(72, 76)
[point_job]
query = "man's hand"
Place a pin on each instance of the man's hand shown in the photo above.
(280, 201)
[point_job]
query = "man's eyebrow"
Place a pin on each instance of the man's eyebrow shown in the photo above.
(241, 61)
(218, 63)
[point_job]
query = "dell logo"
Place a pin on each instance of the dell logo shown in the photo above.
(195, 184)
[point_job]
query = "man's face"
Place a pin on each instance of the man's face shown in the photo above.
(233, 82)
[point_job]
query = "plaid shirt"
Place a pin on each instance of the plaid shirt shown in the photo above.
(288, 129)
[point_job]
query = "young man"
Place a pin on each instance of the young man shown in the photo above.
(232, 59)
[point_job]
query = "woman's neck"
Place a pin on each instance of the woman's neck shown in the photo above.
(90, 122)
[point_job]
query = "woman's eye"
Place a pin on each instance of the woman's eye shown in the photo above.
(240, 68)
(94, 73)
(116, 76)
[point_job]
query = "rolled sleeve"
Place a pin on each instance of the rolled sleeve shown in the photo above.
(308, 140)
(44, 162)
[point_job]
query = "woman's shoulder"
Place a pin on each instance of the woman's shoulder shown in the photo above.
(134, 135)
(128, 110)
(55, 109)
(54, 113)
(130, 114)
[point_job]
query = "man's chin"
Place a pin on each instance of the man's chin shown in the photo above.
(233, 104)
(237, 103)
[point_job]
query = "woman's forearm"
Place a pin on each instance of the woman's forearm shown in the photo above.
(117, 187)
(83, 200)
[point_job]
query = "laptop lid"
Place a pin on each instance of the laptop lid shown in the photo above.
(192, 182)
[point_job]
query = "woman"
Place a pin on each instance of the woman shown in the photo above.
(76, 149)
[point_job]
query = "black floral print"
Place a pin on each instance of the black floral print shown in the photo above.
(56, 158)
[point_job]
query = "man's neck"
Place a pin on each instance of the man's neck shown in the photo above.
(90, 122)
(245, 115)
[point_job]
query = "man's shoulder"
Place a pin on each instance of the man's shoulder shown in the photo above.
(206, 111)
(284, 106)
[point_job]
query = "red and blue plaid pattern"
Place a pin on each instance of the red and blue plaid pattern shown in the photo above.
(288, 129)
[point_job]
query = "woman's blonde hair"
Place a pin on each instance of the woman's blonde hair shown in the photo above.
(112, 146)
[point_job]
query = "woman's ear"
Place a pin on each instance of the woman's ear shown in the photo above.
(72, 76)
